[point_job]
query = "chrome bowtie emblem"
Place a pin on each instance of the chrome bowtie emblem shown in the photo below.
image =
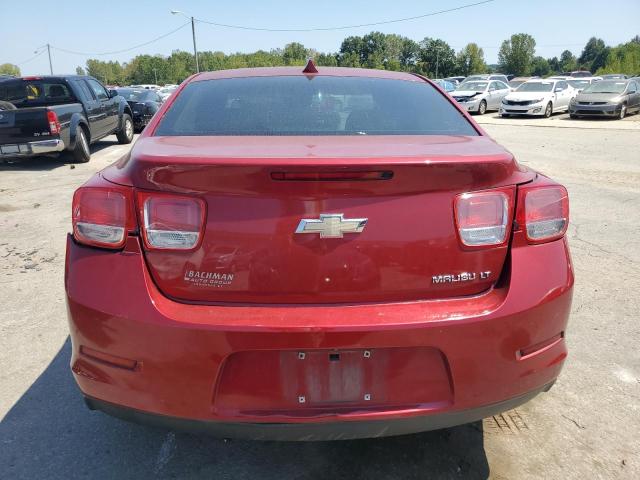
(331, 225)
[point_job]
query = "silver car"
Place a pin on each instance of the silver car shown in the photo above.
(607, 98)
(480, 96)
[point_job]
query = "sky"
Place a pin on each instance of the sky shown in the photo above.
(93, 27)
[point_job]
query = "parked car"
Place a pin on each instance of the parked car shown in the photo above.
(165, 92)
(538, 97)
(369, 263)
(614, 76)
(517, 81)
(455, 80)
(581, 74)
(445, 85)
(144, 104)
(53, 114)
(146, 86)
(481, 96)
(609, 98)
(493, 76)
(581, 83)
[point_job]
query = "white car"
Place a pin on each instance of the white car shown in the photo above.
(165, 92)
(581, 83)
(480, 96)
(538, 97)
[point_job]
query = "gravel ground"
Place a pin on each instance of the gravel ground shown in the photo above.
(587, 426)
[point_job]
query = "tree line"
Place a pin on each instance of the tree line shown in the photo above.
(432, 57)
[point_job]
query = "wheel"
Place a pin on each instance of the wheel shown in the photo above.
(623, 112)
(482, 108)
(573, 115)
(548, 111)
(125, 134)
(81, 152)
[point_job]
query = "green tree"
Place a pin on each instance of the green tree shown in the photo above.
(80, 71)
(568, 61)
(295, 54)
(554, 65)
(437, 58)
(540, 67)
(9, 69)
(624, 58)
(327, 60)
(470, 60)
(516, 54)
(594, 55)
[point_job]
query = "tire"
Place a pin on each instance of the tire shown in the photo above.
(81, 152)
(548, 111)
(125, 134)
(623, 112)
(505, 115)
(573, 115)
(482, 108)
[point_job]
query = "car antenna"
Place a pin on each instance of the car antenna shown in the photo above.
(311, 67)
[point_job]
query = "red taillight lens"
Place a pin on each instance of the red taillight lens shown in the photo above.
(102, 216)
(483, 217)
(171, 222)
(544, 213)
(54, 124)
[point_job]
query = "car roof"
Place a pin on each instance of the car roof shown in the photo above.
(298, 71)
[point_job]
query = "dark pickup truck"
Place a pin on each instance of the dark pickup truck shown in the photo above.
(51, 114)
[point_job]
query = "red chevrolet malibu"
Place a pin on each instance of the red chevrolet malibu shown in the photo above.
(316, 254)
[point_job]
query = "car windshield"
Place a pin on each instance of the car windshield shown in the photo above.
(32, 93)
(300, 105)
(579, 83)
(475, 86)
(133, 95)
(606, 86)
(535, 87)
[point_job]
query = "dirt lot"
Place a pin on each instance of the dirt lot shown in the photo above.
(587, 426)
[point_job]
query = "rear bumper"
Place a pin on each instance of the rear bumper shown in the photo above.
(141, 356)
(314, 431)
(31, 149)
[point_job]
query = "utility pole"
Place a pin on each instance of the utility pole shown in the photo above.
(193, 33)
(50, 64)
(195, 50)
(155, 73)
(437, 60)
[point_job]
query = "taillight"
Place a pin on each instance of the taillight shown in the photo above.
(102, 216)
(483, 218)
(171, 222)
(543, 212)
(54, 124)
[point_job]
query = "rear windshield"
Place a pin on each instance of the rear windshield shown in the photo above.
(27, 93)
(297, 105)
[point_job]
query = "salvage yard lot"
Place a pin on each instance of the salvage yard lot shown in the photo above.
(586, 427)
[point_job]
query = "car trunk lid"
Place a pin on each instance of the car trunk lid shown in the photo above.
(258, 189)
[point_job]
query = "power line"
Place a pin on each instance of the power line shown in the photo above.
(344, 27)
(29, 59)
(73, 52)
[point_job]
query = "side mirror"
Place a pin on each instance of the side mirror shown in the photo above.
(558, 89)
(113, 93)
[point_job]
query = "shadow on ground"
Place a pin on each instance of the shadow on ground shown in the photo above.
(49, 433)
(43, 163)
